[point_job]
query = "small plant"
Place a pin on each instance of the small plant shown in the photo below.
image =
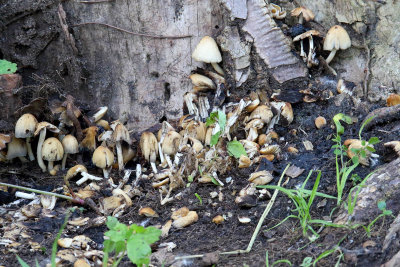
(219, 119)
(302, 210)
(385, 212)
(134, 240)
(7, 67)
(199, 198)
(235, 149)
(275, 262)
(345, 168)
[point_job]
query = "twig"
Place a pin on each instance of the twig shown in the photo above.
(134, 33)
(256, 231)
(75, 200)
(366, 78)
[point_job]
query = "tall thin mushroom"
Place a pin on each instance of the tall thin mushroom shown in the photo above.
(25, 128)
(42, 129)
(120, 133)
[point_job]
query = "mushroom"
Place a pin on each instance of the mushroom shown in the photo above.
(303, 13)
(336, 38)
(201, 82)
(393, 100)
(196, 145)
(25, 128)
(71, 146)
(262, 112)
(120, 133)
(261, 177)
(276, 11)
(4, 139)
(72, 172)
(17, 149)
(89, 142)
(100, 112)
(103, 158)
(253, 126)
(310, 59)
(42, 129)
(104, 124)
(171, 142)
(207, 51)
(149, 148)
(127, 154)
(52, 150)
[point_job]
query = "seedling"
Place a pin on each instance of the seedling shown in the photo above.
(199, 198)
(236, 149)
(385, 212)
(7, 67)
(276, 262)
(133, 240)
(219, 119)
(302, 211)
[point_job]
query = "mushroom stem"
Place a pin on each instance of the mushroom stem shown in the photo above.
(64, 161)
(331, 56)
(301, 19)
(29, 147)
(106, 173)
(153, 167)
(310, 51)
(217, 68)
(119, 156)
(50, 165)
(86, 176)
(42, 136)
(302, 53)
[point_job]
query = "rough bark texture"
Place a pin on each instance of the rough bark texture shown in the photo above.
(142, 79)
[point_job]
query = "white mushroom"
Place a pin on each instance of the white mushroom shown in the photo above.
(25, 128)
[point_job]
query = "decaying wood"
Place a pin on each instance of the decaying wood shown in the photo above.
(381, 115)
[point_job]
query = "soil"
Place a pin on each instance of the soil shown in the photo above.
(283, 242)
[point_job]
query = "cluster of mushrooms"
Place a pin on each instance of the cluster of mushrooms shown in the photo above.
(336, 38)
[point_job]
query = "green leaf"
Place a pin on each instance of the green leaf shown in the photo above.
(212, 119)
(370, 148)
(111, 222)
(190, 178)
(236, 149)
(221, 120)
(363, 153)
(214, 181)
(387, 212)
(307, 261)
(363, 142)
(373, 140)
(7, 67)
(199, 198)
(382, 205)
(108, 245)
(337, 152)
(214, 139)
(22, 262)
(341, 117)
(138, 251)
(355, 160)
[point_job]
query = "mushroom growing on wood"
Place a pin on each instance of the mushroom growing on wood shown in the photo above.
(25, 128)
(17, 149)
(120, 133)
(310, 59)
(149, 148)
(52, 150)
(201, 82)
(42, 129)
(207, 51)
(103, 158)
(71, 146)
(303, 13)
(336, 38)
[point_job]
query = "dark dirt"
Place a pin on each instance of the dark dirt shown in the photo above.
(283, 242)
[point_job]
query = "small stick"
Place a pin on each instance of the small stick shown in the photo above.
(134, 33)
(256, 231)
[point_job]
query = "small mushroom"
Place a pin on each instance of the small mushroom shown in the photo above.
(25, 128)
(4, 140)
(74, 171)
(218, 219)
(104, 124)
(303, 13)
(292, 150)
(310, 59)
(71, 146)
(336, 38)
(182, 222)
(262, 112)
(17, 149)
(149, 148)
(171, 143)
(201, 82)
(207, 51)
(261, 177)
(99, 114)
(196, 145)
(320, 122)
(276, 11)
(41, 128)
(252, 127)
(52, 150)
(148, 212)
(103, 158)
(120, 133)
(393, 100)
(244, 162)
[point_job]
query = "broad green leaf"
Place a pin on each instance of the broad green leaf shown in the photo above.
(111, 222)
(7, 67)
(108, 245)
(236, 149)
(120, 246)
(214, 139)
(363, 142)
(373, 140)
(138, 250)
(369, 148)
(212, 119)
(341, 117)
(221, 120)
(337, 152)
(381, 205)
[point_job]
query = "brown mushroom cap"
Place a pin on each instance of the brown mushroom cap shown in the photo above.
(52, 149)
(89, 142)
(103, 157)
(148, 146)
(72, 172)
(4, 139)
(44, 124)
(70, 144)
(25, 126)
(171, 142)
(307, 13)
(306, 35)
(120, 133)
(202, 81)
(337, 38)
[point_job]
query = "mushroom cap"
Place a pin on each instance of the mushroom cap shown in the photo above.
(337, 38)
(171, 142)
(104, 124)
(52, 149)
(17, 148)
(202, 81)
(307, 13)
(103, 157)
(89, 141)
(262, 112)
(70, 144)
(44, 124)
(207, 51)
(25, 126)
(148, 146)
(120, 133)
(4, 139)
(72, 172)
(306, 35)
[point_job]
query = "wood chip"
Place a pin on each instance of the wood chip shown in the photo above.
(294, 171)
(308, 145)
